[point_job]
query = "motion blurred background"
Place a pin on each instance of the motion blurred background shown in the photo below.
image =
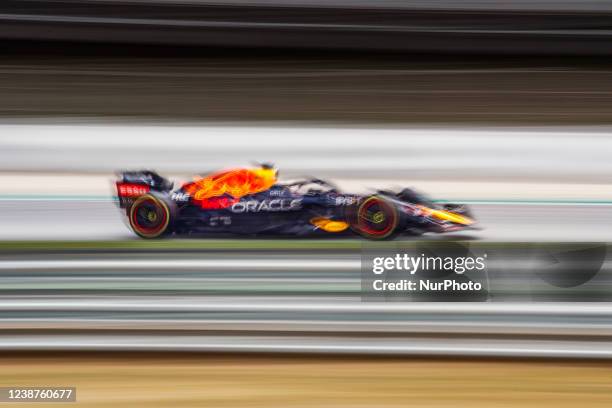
(506, 106)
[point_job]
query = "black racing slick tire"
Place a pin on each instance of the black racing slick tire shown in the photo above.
(152, 215)
(376, 218)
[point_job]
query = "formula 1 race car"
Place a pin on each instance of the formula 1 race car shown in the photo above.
(253, 202)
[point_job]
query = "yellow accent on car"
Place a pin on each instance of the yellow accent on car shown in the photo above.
(329, 225)
(452, 217)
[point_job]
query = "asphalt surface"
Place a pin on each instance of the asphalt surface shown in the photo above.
(102, 220)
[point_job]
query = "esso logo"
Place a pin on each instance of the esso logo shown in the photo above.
(131, 190)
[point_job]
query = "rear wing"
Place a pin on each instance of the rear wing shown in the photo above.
(132, 184)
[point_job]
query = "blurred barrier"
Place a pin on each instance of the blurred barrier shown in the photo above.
(487, 26)
(108, 83)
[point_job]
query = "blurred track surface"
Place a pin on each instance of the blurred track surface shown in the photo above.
(42, 219)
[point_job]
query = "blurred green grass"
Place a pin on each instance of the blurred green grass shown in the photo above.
(186, 244)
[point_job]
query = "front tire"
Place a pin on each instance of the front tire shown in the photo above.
(376, 219)
(151, 215)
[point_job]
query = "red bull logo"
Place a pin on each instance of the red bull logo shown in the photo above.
(237, 183)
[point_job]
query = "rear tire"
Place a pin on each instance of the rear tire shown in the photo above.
(151, 215)
(376, 219)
